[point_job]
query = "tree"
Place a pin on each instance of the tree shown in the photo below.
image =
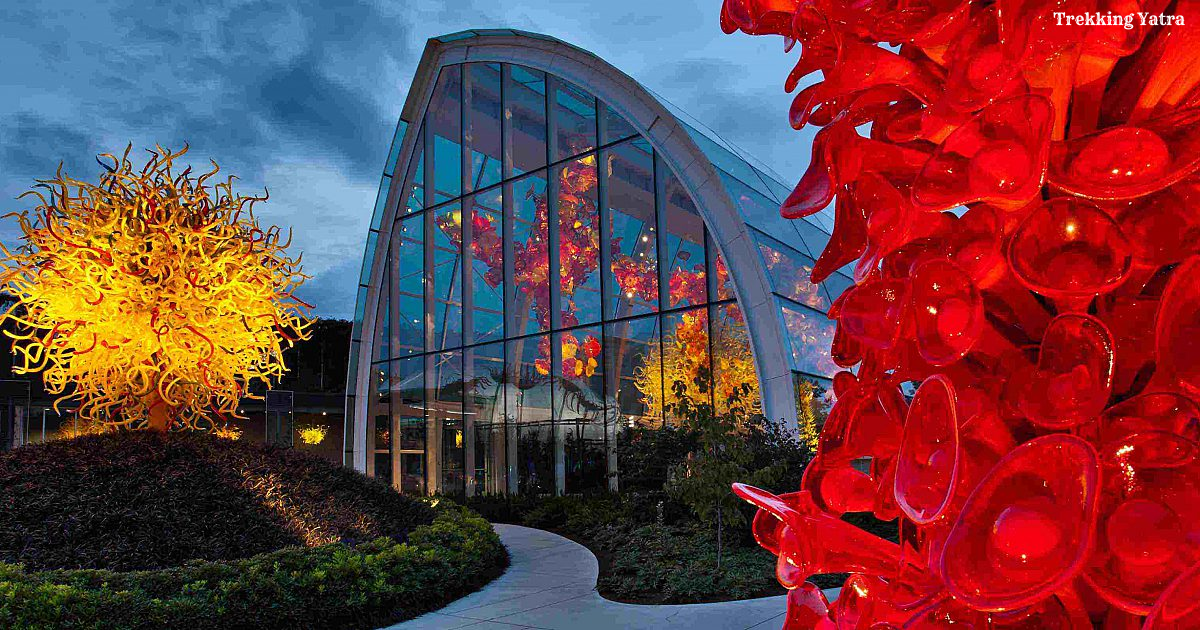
(733, 445)
(153, 299)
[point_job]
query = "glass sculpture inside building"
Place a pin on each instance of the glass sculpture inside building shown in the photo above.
(539, 278)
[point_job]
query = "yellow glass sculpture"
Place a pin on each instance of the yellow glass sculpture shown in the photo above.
(153, 299)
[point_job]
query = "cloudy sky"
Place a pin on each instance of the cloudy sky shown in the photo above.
(301, 97)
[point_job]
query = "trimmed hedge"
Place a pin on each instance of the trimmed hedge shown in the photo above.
(148, 500)
(335, 586)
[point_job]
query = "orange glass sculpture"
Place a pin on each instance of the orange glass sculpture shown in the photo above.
(1019, 196)
(154, 299)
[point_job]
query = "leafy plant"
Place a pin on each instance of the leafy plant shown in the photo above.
(368, 585)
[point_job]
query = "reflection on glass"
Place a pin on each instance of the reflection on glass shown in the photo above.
(814, 399)
(408, 414)
(444, 119)
(538, 410)
(525, 108)
(413, 193)
(579, 241)
(531, 256)
(735, 382)
(686, 266)
(632, 358)
(575, 121)
(487, 265)
(813, 238)
(760, 211)
(789, 271)
(383, 321)
(446, 422)
(447, 277)
(483, 415)
(629, 167)
(614, 127)
(408, 286)
(579, 410)
(724, 279)
(686, 369)
(837, 284)
(811, 334)
(531, 425)
(482, 135)
(379, 429)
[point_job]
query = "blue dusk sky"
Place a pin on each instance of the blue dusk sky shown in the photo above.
(302, 97)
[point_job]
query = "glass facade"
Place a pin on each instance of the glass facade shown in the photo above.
(549, 281)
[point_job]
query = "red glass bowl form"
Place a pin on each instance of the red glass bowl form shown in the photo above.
(928, 462)
(1149, 518)
(1026, 530)
(1179, 606)
(1177, 331)
(1068, 248)
(1074, 373)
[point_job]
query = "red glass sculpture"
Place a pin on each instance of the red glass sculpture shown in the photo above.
(1020, 198)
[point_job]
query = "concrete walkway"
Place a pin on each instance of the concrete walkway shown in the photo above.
(551, 584)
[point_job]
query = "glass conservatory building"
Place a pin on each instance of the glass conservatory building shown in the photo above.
(556, 254)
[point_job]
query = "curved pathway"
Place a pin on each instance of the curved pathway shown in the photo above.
(551, 584)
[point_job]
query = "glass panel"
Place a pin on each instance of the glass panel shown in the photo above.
(364, 277)
(447, 277)
(579, 242)
(630, 170)
(529, 399)
(811, 334)
(483, 414)
(379, 429)
(575, 121)
(414, 194)
(789, 271)
(814, 239)
(408, 286)
(380, 201)
(525, 108)
(444, 120)
(615, 127)
(686, 266)
(408, 413)
(759, 211)
(446, 423)
(394, 152)
(735, 382)
(360, 307)
(530, 310)
(487, 265)
(724, 279)
(382, 342)
(482, 134)
(814, 398)
(687, 372)
(633, 370)
(729, 162)
(580, 413)
(352, 368)
(837, 284)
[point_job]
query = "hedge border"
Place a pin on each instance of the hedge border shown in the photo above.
(370, 585)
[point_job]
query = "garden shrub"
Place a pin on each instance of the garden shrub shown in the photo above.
(367, 585)
(148, 500)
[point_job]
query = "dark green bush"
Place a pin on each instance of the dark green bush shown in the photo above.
(148, 500)
(368, 585)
